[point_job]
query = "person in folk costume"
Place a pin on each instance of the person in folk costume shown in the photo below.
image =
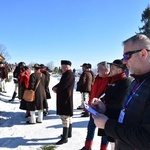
(64, 92)
(24, 81)
(48, 95)
(40, 95)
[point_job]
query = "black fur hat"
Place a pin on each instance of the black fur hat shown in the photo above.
(65, 62)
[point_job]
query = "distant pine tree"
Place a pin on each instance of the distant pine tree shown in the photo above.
(146, 19)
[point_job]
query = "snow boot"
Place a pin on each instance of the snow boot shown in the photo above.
(70, 131)
(28, 114)
(85, 114)
(64, 138)
(13, 97)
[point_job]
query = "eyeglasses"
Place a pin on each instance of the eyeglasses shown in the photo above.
(127, 55)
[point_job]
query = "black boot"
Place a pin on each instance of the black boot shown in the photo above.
(86, 114)
(13, 97)
(27, 114)
(70, 131)
(64, 138)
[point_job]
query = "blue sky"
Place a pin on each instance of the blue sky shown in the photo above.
(81, 31)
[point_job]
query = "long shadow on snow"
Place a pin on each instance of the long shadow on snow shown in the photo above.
(9, 119)
(4, 95)
(14, 142)
(7, 101)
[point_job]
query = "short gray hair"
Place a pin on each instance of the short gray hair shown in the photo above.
(104, 64)
(139, 41)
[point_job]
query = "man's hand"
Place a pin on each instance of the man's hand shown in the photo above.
(100, 121)
(98, 105)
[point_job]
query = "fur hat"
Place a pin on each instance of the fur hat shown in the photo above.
(65, 62)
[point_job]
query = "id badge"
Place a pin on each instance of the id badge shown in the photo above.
(121, 116)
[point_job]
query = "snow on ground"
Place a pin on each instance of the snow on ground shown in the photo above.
(15, 134)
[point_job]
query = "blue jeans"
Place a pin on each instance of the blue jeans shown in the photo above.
(104, 140)
(91, 129)
(91, 132)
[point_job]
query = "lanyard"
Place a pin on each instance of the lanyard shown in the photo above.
(130, 98)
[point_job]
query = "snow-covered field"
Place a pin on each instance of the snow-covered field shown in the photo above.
(16, 134)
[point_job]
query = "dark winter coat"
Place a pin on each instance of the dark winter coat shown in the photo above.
(65, 94)
(16, 72)
(48, 95)
(134, 132)
(85, 82)
(3, 73)
(93, 75)
(21, 88)
(114, 97)
(40, 95)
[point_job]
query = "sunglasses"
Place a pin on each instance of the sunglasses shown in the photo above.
(127, 55)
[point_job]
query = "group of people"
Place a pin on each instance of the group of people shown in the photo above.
(24, 79)
(122, 103)
(110, 86)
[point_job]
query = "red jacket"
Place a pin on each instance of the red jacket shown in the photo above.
(24, 79)
(98, 88)
(21, 77)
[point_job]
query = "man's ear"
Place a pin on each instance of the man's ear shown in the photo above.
(144, 54)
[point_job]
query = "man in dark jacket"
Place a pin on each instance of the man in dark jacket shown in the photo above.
(64, 91)
(84, 86)
(132, 130)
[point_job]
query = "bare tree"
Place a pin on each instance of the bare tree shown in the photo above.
(4, 53)
(50, 65)
(31, 64)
